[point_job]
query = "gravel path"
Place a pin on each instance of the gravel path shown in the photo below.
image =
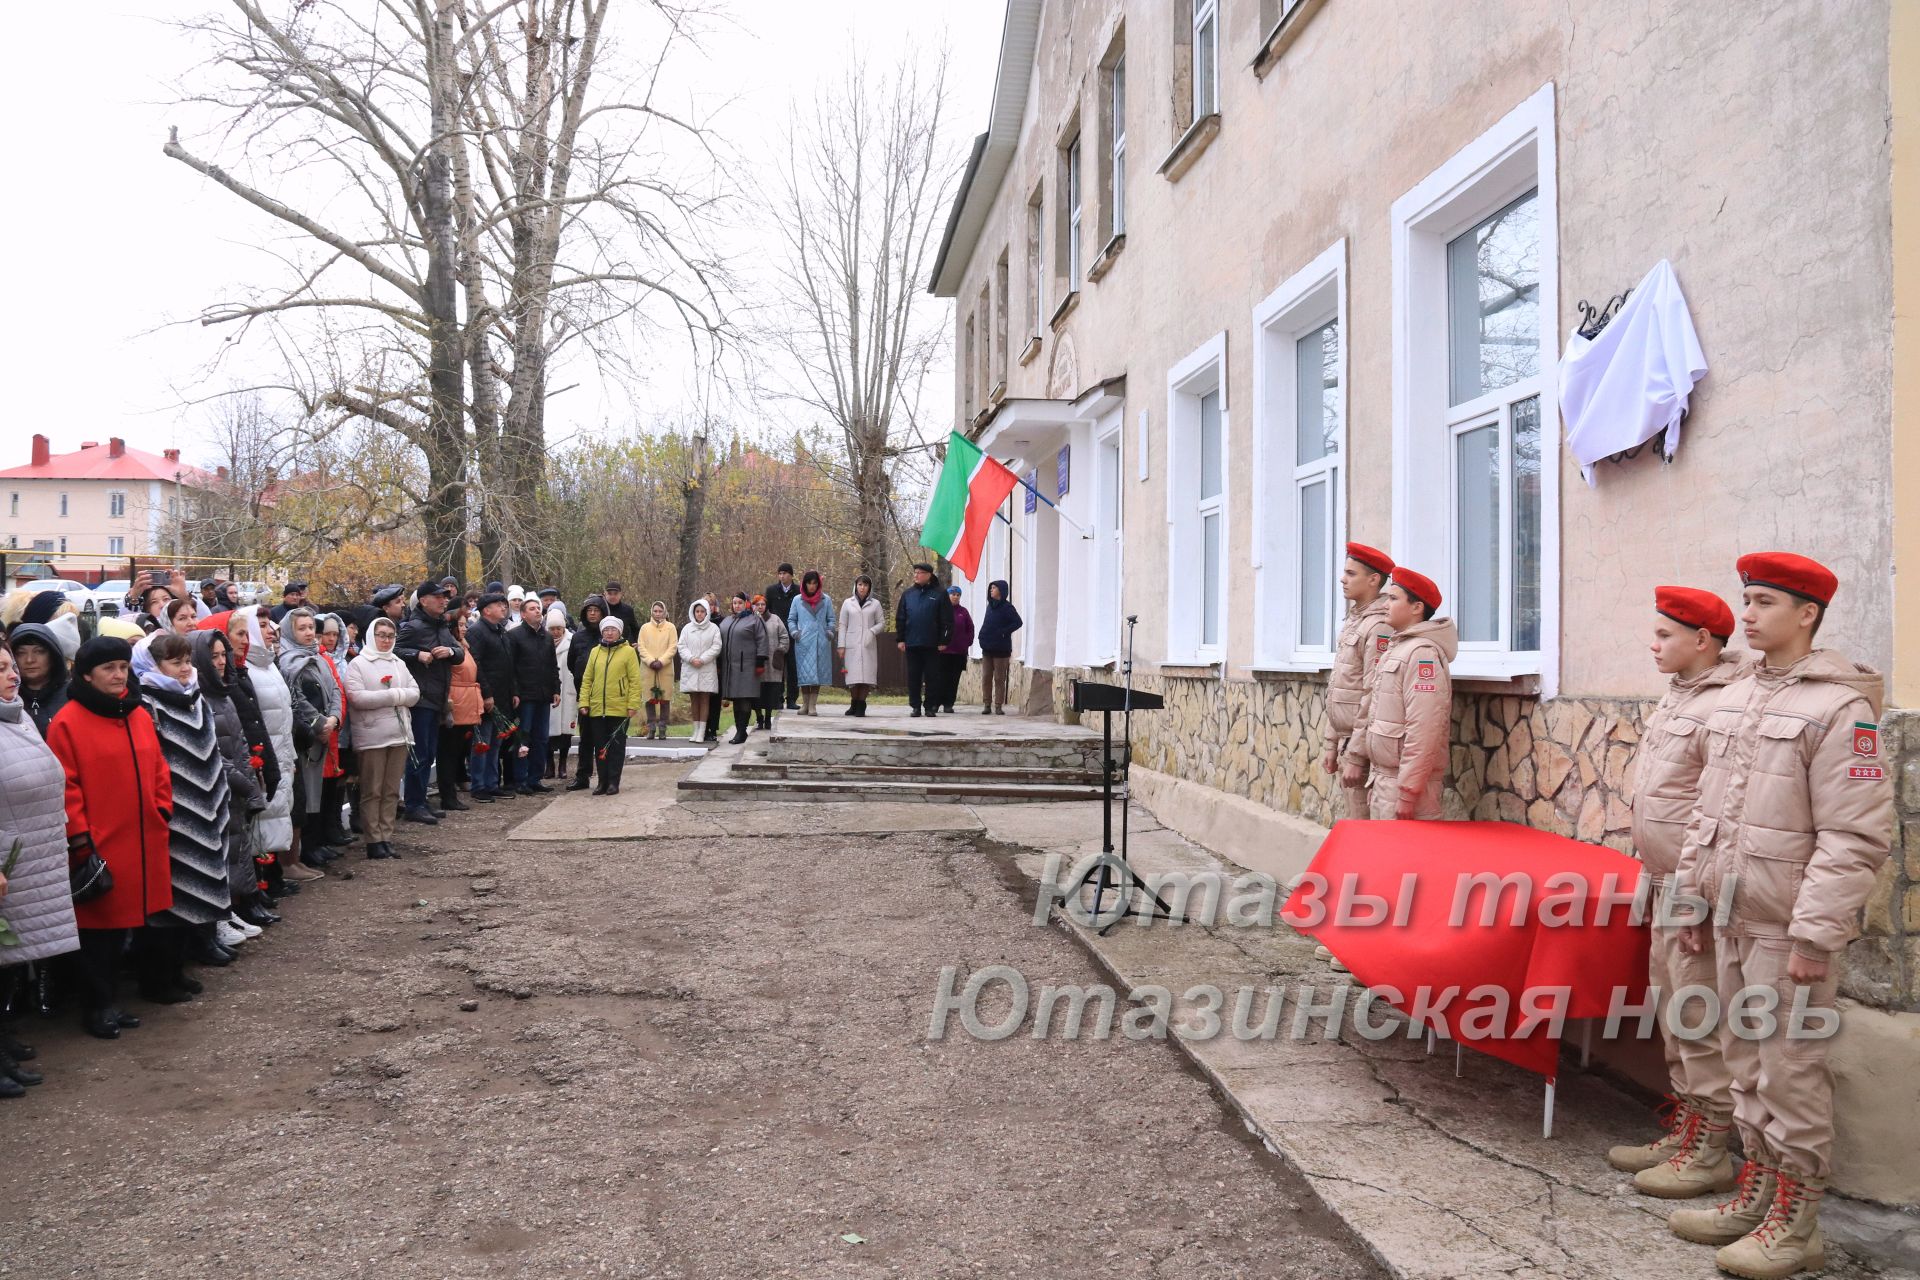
(689, 1058)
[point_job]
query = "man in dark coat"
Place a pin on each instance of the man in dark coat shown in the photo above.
(617, 607)
(291, 598)
(431, 651)
(536, 679)
(499, 698)
(780, 597)
(924, 621)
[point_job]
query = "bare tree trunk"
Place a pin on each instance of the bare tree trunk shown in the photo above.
(446, 414)
(693, 514)
(862, 189)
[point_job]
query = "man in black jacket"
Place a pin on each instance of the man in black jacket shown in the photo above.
(536, 678)
(431, 651)
(780, 598)
(617, 607)
(499, 701)
(924, 621)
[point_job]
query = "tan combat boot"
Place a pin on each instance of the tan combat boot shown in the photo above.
(1673, 1119)
(1699, 1165)
(1732, 1219)
(1788, 1241)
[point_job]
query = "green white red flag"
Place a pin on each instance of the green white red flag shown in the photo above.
(971, 488)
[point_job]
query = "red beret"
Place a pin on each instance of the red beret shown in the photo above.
(1372, 557)
(1419, 586)
(1691, 607)
(1808, 579)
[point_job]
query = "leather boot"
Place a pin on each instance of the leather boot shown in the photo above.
(1672, 1116)
(1729, 1220)
(1788, 1241)
(1699, 1164)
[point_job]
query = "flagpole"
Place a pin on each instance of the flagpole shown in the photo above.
(1065, 519)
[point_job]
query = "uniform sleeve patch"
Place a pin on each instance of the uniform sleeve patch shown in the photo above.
(1425, 671)
(1380, 644)
(1868, 772)
(1866, 739)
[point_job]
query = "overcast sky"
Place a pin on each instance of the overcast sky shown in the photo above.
(122, 240)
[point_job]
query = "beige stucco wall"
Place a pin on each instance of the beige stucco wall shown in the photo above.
(1746, 143)
(1904, 76)
(87, 525)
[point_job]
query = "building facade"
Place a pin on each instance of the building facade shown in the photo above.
(1238, 280)
(98, 504)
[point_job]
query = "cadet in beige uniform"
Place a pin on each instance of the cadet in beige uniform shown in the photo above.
(1408, 708)
(1795, 818)
(1363, 639)
(1690, 630)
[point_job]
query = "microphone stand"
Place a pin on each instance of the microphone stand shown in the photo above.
(1111, 873)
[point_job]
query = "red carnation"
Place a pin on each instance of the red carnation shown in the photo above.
(386, 679)
(481, 746)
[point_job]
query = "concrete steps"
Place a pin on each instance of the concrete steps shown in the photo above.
(746, 772)
(883, 744)
(760, 766)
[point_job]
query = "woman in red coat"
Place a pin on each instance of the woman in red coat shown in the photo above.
(119, 802)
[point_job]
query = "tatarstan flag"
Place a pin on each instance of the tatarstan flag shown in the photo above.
(972, 486)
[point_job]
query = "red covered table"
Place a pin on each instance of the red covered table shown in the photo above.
(1574, 932)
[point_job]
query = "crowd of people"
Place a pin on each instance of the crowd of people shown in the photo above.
(168, 780)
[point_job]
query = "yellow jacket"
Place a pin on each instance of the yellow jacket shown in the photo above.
(657, 643)
(611, 684)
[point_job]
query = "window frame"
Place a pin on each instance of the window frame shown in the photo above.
(116, 504)
(116, 545)
(1117, 149)
(1517, 154)
(1304, 303)
(1206, 59)
(1201, 371)
(13, 505)
(1036, 262)
(1073, 169)
(63, 504)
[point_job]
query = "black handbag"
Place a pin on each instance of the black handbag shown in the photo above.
(90, 878)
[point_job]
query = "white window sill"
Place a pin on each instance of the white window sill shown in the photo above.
(1191, 669)
(1293, 667)
(1494, 666)
(1065, 309)
(1198, 137)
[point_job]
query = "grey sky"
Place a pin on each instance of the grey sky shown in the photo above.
(125, 240)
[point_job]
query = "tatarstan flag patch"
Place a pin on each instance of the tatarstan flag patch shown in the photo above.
(1426, 670)
(1866, 739)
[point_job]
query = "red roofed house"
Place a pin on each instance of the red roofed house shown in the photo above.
(101, 501)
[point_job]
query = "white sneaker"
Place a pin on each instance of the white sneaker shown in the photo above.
(228, 936)
(251, 930)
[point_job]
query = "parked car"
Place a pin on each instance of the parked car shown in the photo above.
(250, 593)
(77, 593)
(110, 597)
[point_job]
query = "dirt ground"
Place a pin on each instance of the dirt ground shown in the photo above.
(689, 1058)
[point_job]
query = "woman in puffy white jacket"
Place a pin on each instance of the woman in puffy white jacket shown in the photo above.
(380, 692)
(699, 662)
(565, 716)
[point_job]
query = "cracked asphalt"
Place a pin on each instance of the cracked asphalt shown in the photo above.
(684, 1057)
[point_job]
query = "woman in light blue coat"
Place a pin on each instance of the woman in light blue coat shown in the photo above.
(810, 624)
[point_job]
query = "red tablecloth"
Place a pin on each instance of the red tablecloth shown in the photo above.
(1589, 956)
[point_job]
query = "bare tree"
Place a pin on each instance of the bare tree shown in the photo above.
(483, 211)
(862, 183)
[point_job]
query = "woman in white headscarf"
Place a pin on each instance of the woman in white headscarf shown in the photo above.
(700, 663)
(565, 714)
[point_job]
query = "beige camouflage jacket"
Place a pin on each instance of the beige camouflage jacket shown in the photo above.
(1408, 708)
(1796, 802)
(1363, 639)
(1666, 768)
